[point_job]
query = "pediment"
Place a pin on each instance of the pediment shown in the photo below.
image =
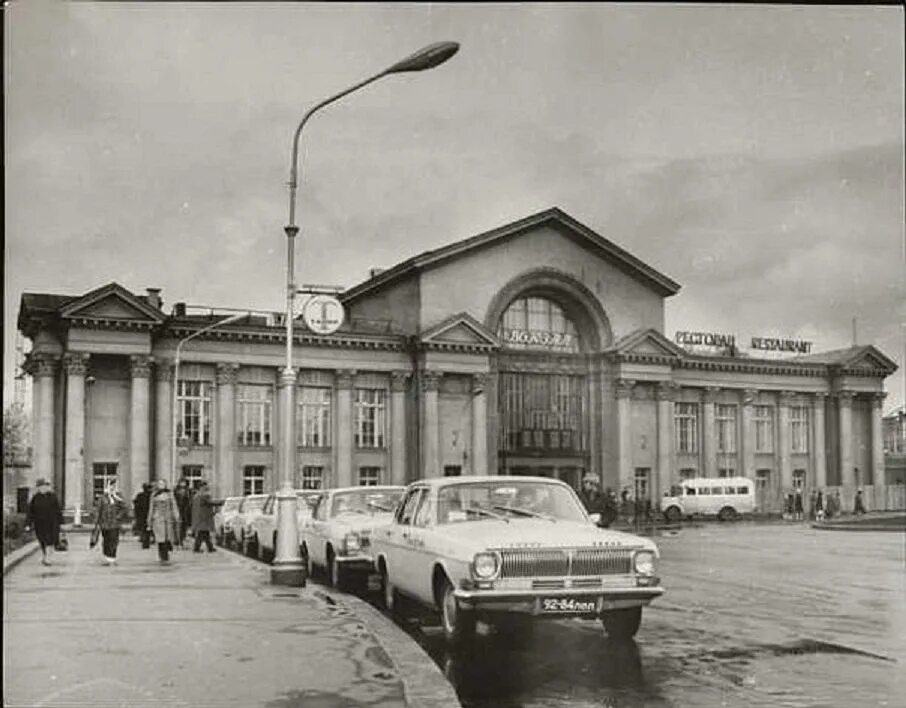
(871, 361)
(646, 342)
(460, 330)
(111, 302)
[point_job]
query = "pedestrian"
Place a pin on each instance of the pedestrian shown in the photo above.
(112, 511)
(203, 517)
(859, 506)
(45, 515)
(819, 506)
(811, 505)
(797, 505)
(140, 505)
(788, 507)
(590, 496)
(625, 504)
(184, 504)
(609, 514)
(163, 520)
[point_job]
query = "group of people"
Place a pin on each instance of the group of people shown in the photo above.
(609, 507)
(820, 506)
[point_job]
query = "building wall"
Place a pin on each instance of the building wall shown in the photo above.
(107, 403)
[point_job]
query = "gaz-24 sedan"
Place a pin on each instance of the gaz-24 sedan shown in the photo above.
(509, 550)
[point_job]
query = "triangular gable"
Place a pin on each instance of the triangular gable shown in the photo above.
(111, 302)
(870, 360)
(646, 342)
(461, 329)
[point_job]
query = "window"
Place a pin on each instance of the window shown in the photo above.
(642, 482)
(799, 424)
(255, 406)
(725, 472)
(687, 473)
(704, 491)
(313, 426)
(762, 481)
(686, 421)
(408, 506)
(193, 407)
(370, 409)
(725, 419)
(542, 412)
(312, 477)
(799, 480)
(369, 476)
(742, 490)
(103, 473)
(538, 323)
(193, 474)
(764, 428)
(252, 479)
(452, 470)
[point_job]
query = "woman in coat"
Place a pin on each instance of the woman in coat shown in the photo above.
(46, 515)
(203, 517)
(163, 520)
(112, 512)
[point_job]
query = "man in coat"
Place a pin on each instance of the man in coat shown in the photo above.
(45, 514)
(203, 517)
(141, 503)
(184, 504)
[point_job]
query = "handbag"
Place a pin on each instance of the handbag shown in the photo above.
(95, 535)
(62, 543)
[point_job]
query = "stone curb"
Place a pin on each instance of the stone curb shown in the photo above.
(859, 527)
(20, 554)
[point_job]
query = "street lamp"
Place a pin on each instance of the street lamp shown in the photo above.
(174, 416)
(287, 566)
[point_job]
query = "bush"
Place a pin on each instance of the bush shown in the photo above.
(13, 525)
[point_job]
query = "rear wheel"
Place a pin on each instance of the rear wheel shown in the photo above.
(388, 591)
(728, 513)
(458, 623)
(622, 624)
(673, 514)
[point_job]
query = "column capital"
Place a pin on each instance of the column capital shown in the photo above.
(398, 380)
(140, 366)
(785, 398)
(711, 393)
(479, 383)
(877, 399)
(41, 364)
(227, 373)
(666, 391)
(749, 395)
(75, 363)
(163, 369)
(345, 378)
(845, 398)
(820, 398)
(624, 388)
(430, 380)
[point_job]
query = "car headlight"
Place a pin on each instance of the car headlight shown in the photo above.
(485, 565)
(644, 562)
(352, 542)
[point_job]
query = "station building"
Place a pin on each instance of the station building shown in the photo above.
(535, 348)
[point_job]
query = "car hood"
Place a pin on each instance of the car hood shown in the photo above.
(362, 522)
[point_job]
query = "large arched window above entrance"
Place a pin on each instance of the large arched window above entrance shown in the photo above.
(538, 323)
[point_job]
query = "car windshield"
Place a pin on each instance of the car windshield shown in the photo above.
(231, 504)
(507, 500)
(254, 504)
(365, 501)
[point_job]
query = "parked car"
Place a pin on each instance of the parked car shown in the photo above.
(262, 532)
(723, 497)
(249, 508)
(505, 549)
(337, 537)
(223, 520)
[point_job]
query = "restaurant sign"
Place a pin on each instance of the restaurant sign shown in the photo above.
(773, 344)
(707, 339)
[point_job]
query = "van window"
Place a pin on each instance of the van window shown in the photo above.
(690, 492)
(717, 490)
(704, 491)
(742, 490)
(676, 490)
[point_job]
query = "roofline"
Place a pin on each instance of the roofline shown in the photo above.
(440, 481)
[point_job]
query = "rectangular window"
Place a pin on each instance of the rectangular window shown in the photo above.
(799, 425)
(370, 417)
(252, 480)
(102, 473)
(687, 473)
(311, 477)
(799, 480)
(369, 476)
(313, 425)
(686, 422)
(193, 474)
(255, 407)
(193, 405)
(725, 420)
(452, 470)
(764, 428)
(725, 472)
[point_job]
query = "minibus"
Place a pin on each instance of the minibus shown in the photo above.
(724, 497)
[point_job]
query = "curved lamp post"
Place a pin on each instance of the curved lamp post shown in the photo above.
(174, 416)
(287, 568)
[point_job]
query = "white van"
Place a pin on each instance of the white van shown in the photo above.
(724, 497)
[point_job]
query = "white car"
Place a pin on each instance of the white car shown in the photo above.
(338, 535)
(261, 537)
(223, 520)
(249, 508)
(508, 550)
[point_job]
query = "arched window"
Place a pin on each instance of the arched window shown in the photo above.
(538, 323)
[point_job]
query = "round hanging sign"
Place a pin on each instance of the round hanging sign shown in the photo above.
(323, 314)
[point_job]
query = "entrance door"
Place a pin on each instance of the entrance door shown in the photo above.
(762, 490)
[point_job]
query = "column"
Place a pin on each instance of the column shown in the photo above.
(344, 425)
(784, 444)
(845, 435)
(665, 447)
(749, 396)
(398, 383)
(876, 475)
(139, 427)
(163, 420)
(624, 431)
(709, 432)
(43, 368)
(819, 455)
(224, 476)
(430, 437)
(75, 364)
(479, 463)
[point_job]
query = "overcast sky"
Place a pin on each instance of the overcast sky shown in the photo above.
(753, 154)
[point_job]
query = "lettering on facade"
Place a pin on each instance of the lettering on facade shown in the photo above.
(773, 344)
(537, 339)
(708, 339)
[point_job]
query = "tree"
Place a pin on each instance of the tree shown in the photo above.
(16, 435)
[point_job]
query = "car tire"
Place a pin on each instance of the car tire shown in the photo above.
(306, 561)
(728, 513)
(389, 593)
(622, 624)
(458, 623)
(673, 514)
(336, 574)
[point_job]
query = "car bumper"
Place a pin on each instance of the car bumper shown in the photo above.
(532, 602)
(362, 562)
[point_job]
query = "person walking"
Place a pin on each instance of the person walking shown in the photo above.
(140, 505)
(203, 517)
(859, 505)
(819, 506)
(591, 497)
(45, 515)
(797, 505)
(163, 520)
(609, 513)
(112, 511)
(184, 504)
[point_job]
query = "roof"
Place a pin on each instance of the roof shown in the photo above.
(502, 479)
(369, 488)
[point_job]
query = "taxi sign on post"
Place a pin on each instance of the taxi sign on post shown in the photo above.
(323, 314)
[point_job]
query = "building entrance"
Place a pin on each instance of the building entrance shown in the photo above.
(569, 473)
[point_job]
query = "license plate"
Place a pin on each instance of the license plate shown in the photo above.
(568, 605)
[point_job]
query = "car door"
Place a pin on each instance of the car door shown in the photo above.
(316, 536)
(422, 548)
(396, 537)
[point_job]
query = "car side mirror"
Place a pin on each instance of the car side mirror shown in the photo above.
(595, 518)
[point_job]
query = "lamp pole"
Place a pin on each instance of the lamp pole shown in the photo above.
(174, 417)
(287, 566)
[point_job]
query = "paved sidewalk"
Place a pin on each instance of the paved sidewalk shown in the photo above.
(207, 630)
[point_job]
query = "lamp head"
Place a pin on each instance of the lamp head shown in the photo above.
(426, 58)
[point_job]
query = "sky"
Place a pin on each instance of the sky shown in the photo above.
(754, 154)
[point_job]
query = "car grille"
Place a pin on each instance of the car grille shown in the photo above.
(564, 562)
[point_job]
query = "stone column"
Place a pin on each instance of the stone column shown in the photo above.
(784, 442)
(75, 364)
(709, 432)
(819, 455)
(624, 431)
(430, 382)
(479, 461)
(665, 446)
(139, 427)
(224, 477)
(343, 448)
(398, 383)
(163, 421)
(845, 435)
(748, 432)
(43, 369)
(876, 475)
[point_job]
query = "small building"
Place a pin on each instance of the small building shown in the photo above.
(894, 432)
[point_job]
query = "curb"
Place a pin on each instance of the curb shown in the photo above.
(859, 527)
(424, 685)
(19, 555)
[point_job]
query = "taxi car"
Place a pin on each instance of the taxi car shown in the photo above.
(337, 537)
(249, 508)
(223, 518)
(262, 529)
(510, 548)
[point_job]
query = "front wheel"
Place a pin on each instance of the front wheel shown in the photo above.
(458, 623)
(673, 514)
(728, 513)
(622, 624)
(388, 592)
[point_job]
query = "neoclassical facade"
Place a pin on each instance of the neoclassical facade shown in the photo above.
(535, 348)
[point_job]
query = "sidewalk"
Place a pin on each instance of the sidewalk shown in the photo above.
(207, 630)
